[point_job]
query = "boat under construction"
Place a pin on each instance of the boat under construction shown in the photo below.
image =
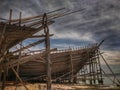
(50, 64)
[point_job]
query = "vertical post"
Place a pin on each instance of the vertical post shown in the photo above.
(47, 45)
(17, 69)
(101, 80)
(97, 69)
(17, 75)
(10, 17)
(93, 70)
(0, 74)
(86, 73)
(90, 67)
(71, 62)
(20, 18)
(84, 78)
(4, 78)
(95, 74)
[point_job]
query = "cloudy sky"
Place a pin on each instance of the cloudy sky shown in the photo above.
(99, 19)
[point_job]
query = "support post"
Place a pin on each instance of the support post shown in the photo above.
(84, 77)
(4, 79)
(94, 71)
(90, 67)
(71, 62)
(17, 69)
(19, 78)
(47, 45)
(100, 80)
(10, 17)
(0, 74)
(20, 18)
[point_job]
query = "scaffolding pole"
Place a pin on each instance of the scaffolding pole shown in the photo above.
(47, 46)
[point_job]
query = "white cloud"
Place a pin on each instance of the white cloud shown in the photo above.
(111, 57)
(66, 46)
(73, 35)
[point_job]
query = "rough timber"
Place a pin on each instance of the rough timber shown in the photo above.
(60, 62)
(64, 65)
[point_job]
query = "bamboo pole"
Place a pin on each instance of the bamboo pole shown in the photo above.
(47, 45)
(101, 80)
(109, 68)
(19, 78)
(20, 45)
(71, 63)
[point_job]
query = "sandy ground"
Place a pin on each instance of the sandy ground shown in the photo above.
(38, 86)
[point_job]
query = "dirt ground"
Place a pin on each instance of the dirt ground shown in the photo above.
(39, 86)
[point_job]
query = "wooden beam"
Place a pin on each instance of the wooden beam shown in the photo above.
(71, 63)
(20, 18)
(43, 50)
(4, 79)
(62, 75)
(19, 78)
(38, 36)
(109, 68)
(30, 45)
(10, 17)
(47, 44)
(34, 78)
(38, 16)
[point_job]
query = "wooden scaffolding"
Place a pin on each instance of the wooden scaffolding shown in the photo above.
(91, 72)
(57, 66)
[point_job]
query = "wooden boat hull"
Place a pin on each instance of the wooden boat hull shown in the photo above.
(60, 63)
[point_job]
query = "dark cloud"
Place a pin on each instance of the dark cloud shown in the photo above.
(100, 18)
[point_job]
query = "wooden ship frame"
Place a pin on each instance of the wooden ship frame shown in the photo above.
(49, 65)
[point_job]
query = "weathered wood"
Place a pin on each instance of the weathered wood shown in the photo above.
(36, 66)
(110, 69)
(4, 79)
(20, 18)
(19, 78)
(71, 62)
(15, 40)
(38, 16)
(34, 78)
(67, 73)
(100, 70)
(30, 45)
(38, 36)
(10, 17)
(47, 45)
